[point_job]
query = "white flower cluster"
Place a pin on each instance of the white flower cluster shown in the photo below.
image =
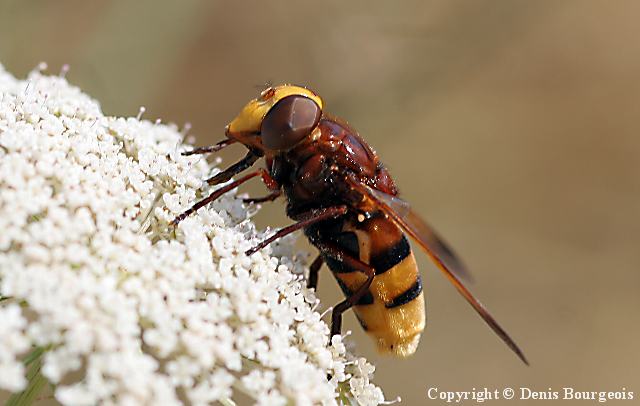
(125, 308)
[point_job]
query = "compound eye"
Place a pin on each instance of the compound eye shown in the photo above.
(289, 121)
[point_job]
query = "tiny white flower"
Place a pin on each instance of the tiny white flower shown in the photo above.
(13, 342)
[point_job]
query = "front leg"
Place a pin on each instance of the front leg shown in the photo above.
(234, 169)
(212, 148)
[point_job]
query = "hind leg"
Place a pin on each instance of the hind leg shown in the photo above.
(340, 254)
(314, 268)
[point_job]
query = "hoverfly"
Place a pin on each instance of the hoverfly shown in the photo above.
(339, 192)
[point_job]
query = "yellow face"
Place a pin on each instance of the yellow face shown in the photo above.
(251, 116)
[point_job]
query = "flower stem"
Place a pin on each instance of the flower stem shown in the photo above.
(227, 402)
(35, 378)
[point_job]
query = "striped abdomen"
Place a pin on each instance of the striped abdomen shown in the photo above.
(392, 312)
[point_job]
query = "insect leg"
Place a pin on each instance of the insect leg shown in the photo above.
(213, 196)
(341, 255)
(305, 219)
(234, 169)
(315, 266)
(269, 198)
(212, 148)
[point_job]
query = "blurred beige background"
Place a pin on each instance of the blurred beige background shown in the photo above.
(512, 126)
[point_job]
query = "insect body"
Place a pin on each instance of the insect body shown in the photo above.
(391, 309)
(345, 200)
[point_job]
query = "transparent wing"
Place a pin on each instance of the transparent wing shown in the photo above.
(402, 214)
